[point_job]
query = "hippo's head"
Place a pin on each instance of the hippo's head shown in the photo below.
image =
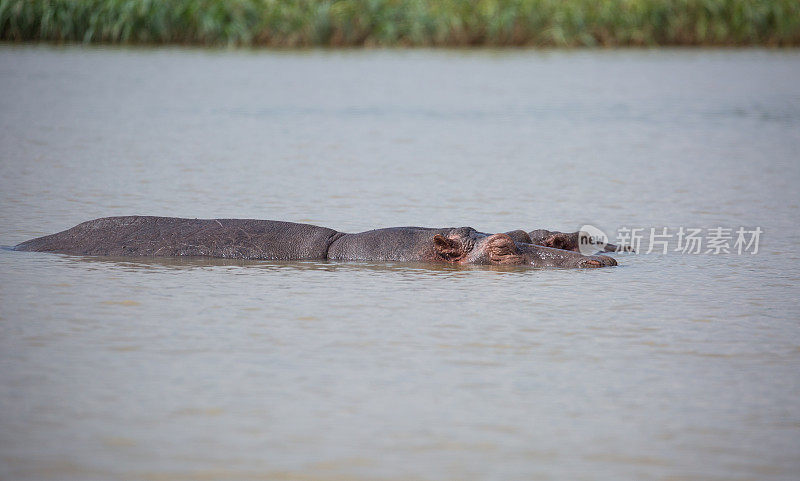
(466, 246)
(570, 241)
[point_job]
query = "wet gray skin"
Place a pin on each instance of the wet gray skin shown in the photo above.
(265, 239)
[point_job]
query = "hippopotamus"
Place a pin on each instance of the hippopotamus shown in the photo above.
(278, 240)
(569, 241)
(563, 240)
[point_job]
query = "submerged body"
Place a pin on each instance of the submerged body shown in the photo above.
(277, 240)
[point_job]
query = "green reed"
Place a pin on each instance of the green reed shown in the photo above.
(297, 23)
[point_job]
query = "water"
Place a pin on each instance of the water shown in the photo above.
(668, 367)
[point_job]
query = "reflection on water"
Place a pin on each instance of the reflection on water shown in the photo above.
(271, 265)
(666, 367)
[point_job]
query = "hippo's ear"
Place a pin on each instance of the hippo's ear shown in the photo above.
(562, 240)
(449, 249)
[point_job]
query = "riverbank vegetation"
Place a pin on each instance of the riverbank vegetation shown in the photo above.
(450, 23)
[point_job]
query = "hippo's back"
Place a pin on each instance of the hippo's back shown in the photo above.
(171, 236)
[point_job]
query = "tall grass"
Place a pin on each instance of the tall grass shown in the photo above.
(404, 22)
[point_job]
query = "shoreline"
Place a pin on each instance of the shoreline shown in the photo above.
(394, 48)
(386, 23)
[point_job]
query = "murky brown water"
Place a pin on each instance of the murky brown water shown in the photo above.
(668, 367)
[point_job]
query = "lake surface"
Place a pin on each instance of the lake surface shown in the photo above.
(668, 367)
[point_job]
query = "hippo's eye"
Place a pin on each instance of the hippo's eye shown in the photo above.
(502, 244)
(501, 249)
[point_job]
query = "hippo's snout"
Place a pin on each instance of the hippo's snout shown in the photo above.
(597, 261)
